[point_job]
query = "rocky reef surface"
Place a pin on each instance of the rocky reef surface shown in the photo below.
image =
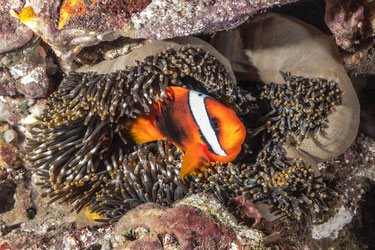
(322, 197)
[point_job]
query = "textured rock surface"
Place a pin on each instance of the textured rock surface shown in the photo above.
(8, 155)
(196, 221)
(164, 19)
(99, 15)
(351, 22)
(8, 151)
(80, 25)
(12, 33)
(26, 71)
(66, 43)
(353, 26)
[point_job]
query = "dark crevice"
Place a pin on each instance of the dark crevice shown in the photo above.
(7, 200)
(363, 223)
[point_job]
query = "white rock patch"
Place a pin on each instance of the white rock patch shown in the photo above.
(332, 227)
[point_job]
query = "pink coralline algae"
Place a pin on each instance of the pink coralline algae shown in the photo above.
(198, 221)
(350, 21)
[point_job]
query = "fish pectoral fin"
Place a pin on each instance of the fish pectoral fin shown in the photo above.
(191, 159)
(143, 131)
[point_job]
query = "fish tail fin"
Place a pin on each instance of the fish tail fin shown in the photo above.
(191, 159)
(143, 130)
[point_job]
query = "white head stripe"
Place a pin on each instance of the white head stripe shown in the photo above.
(199, 111)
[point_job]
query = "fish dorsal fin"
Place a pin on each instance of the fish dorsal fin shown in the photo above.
(191, 159)
(177, 91)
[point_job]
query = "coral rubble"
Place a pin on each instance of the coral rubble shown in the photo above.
(352, 25)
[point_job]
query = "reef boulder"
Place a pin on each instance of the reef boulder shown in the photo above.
(69, 27)
(26, 71)
(196, 221)
(12, 33)
(353, 26)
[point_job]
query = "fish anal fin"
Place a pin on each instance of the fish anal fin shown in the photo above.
(143, 130)
(191, 159)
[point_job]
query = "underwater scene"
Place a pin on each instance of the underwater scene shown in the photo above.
(163, 124)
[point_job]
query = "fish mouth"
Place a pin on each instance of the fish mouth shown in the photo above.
(237, 131)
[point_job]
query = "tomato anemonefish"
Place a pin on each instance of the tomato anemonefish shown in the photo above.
(200, 126)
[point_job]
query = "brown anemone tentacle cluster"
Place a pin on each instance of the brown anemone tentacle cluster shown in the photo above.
(149, 174)
(315, 111)
(299, 107)
(187, 62)
(83, 128)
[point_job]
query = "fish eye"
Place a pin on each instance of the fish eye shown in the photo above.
(215, 123)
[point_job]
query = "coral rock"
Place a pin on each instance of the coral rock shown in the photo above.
(25, 71)
(7, 83)
(99, 15)
(194, 222)
(69, 28)
(245, 211)
(350, 21)
(8, 152)
(8, 156)
(353, 26)
(12, 33)
(164, 19)
(15, 204)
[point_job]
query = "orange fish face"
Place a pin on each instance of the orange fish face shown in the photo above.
(229, 129)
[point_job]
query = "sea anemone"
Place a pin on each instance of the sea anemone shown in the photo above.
(84, 125)
(151, 174)
(82, 153)
(301, 105)
(271, 43)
